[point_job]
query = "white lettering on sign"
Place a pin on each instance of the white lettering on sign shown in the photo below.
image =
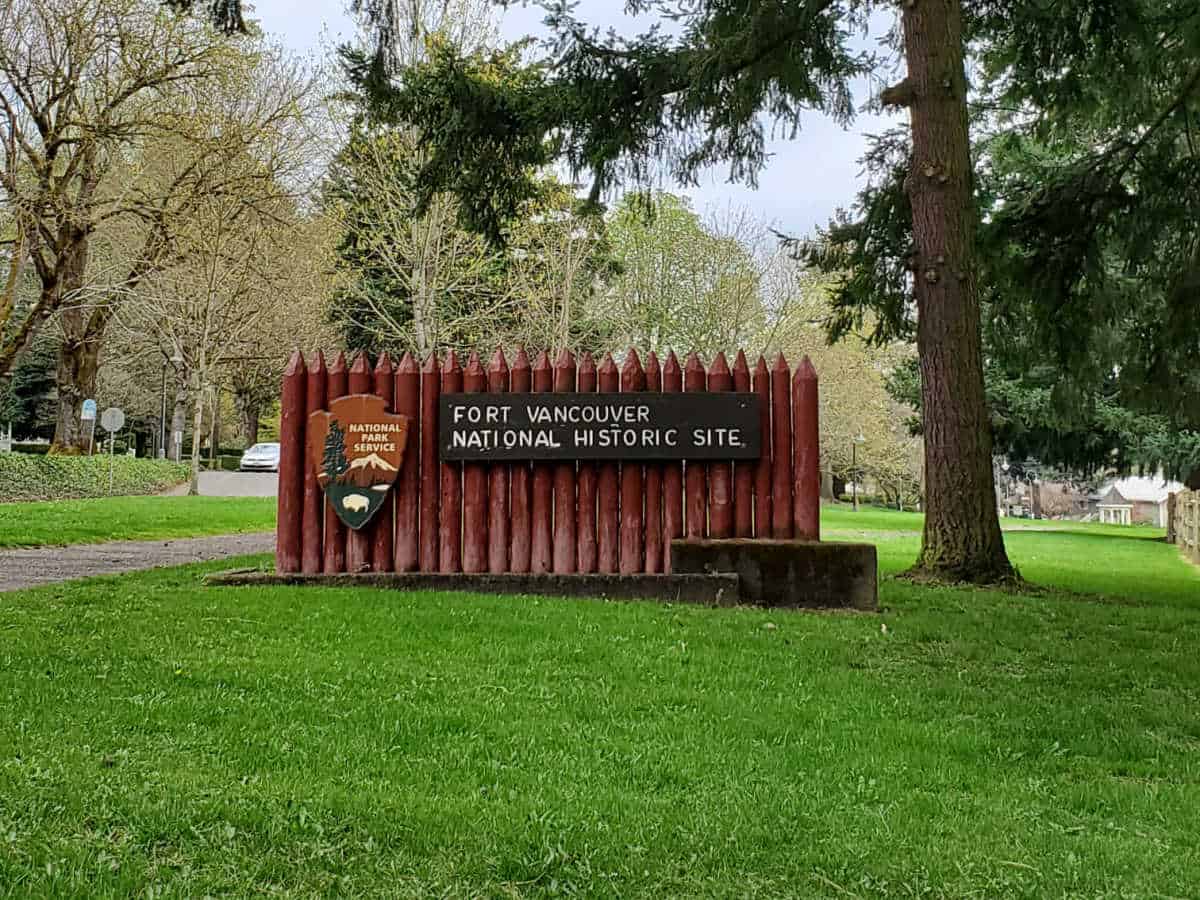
(611, 425)
(373, 437)
(586, 415)
(474, 415)
(717, 437)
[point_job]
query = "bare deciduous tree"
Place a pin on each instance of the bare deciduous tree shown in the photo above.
(81, 83)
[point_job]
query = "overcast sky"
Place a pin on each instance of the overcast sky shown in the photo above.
(805, 181)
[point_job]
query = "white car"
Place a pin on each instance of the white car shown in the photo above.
(260, 458)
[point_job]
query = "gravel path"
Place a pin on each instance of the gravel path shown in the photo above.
(45, 565)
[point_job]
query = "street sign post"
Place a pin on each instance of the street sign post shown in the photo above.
(88, 414)
(112, 420)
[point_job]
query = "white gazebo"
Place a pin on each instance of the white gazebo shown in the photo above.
(1115, 509)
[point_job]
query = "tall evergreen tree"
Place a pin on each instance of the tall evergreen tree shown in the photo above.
(700, 94)
(1089, 224)
(333, 459)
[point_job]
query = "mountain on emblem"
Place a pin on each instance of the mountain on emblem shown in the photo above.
(355, 450)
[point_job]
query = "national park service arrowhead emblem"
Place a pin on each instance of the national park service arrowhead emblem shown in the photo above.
(355, 449)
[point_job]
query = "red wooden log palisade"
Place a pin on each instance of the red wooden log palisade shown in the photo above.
(335, 532)
(695, 476)
(608, 503)
(498, 537)
(314, 497)
(633, 379)
(807, 453)
(542, 506)
(585, 495)
(358, 542)
(559, 515)
(743, 470)
(781, 453)
(564, 548)
(407, 553)
(762, 469)
(450, 505)
(521, 379)
(382, 529)
(654, 484)
(720, 474)
(672, 382)
(475, 486)
(431, 484)
(290, 500)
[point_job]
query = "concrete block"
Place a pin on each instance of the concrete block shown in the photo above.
(788, 574)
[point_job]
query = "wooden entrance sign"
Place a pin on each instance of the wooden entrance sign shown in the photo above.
(541, 467)
(356, 449)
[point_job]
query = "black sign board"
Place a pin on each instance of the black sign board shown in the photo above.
(481, 427)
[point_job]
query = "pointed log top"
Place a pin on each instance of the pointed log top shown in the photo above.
(805, 370)
(318, 363)
(339, 363)
(521, 360)
(541, 362)
(760, 368)
(407, 364)
(474, 366)
(781, 364)
(720, 366)
(633, 376)
(362, 365)
(566, 360)
(431, 363)
(693, 364)
(587, 365)
(295, 364)
(739, 363)
(608, 366)
(451, 363)
(498, 363)
(384, 366)
(654, 381)
(671, 366)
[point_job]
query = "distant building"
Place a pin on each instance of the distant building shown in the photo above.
(1136, 501)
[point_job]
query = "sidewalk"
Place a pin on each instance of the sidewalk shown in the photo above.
(46, 565)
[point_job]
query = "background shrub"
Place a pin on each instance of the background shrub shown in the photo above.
(27, 477)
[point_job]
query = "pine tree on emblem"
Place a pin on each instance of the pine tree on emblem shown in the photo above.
(334, 460)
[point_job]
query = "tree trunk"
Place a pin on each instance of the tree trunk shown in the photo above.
(78, 356)
(827, 492)
(250, 425)
(214, 445)
(962, 539)
(197, 432)
(75, 377)
(178, 420)
(249, 411)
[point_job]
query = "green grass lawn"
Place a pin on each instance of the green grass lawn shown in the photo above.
(163, 738)
(59, 522)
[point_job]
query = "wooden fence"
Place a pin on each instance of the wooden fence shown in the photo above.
(560, 517)
(1186, 523)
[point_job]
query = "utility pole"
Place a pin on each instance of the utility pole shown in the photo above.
(854, 467)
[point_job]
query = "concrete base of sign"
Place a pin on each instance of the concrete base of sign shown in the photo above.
(795, 574)
(700, 588)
